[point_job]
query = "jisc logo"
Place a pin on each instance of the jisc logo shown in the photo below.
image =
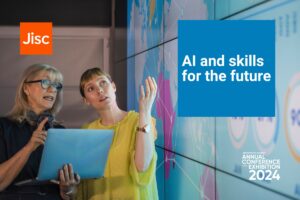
(36, 38)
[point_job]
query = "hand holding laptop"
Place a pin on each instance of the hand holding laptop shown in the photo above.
(68, 181)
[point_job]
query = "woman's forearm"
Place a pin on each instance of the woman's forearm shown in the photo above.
(144, 144)
(10, 169)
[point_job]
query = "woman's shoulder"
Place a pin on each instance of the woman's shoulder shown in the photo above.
(7, 121)
(58, 125)
(133, 114)
(91, 124)
(7, 124)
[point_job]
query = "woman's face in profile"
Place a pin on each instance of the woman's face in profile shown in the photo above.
(41, 92)
(100, 92)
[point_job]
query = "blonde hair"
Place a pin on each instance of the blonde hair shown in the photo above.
(88, 75)
(21, 106)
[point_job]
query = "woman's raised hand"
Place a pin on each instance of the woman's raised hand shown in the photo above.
(38, 137)
(147, 96)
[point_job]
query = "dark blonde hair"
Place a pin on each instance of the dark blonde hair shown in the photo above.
(88, 75)
(21, 107)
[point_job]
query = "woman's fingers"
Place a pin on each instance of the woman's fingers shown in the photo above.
(42, 136)
(66, 172)
(142, 92)
(77, 178)
(62, 176)
(67, 175)
(39, 137)
(150, 87)
(42, 124)
(154, 83)
(55, 181)
(147, 87)
(39, 141)
(71, 173)
(147, 97)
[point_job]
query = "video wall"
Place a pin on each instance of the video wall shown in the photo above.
(200, 158)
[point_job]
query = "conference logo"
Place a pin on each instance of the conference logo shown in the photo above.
(36, 38)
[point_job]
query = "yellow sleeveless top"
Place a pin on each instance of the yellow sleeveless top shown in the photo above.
(121, 179)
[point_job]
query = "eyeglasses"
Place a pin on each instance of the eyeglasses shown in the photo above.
(45, 83)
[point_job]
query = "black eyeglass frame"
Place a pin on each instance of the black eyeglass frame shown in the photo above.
(46, 83)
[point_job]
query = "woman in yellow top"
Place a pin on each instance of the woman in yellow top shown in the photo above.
(131, 164)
